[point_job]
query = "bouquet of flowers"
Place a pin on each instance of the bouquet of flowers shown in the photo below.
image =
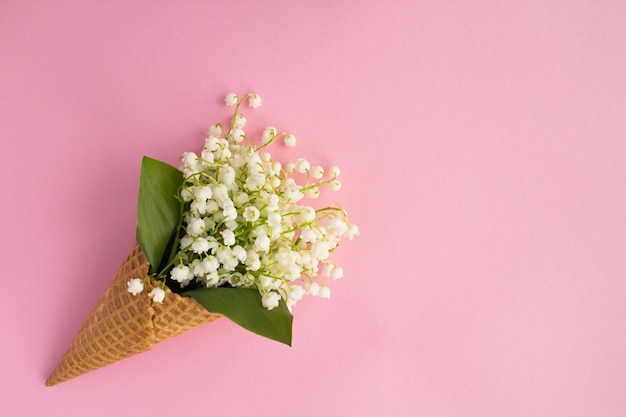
(229, 234)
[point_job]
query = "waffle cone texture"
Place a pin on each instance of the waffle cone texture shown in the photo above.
(122, 325)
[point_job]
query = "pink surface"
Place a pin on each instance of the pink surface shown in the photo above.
(483, 154)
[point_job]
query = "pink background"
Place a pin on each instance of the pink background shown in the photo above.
(483, 150)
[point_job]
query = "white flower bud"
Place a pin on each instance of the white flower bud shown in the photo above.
(254, 101)
(290, 141)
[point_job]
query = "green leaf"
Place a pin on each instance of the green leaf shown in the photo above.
(158, 211)
(243, 306)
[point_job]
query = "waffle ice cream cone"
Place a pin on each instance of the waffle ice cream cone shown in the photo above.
(122, 325)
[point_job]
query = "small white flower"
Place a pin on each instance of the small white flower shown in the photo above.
(253, 262)
(274, 220)
(212, 143)
(307, 260)
(262, 229)
(201, 245)
(215, 130)
(210, 264)
(251, 214)
(239, 253)
(325, 292)
(270, 300)
(290, 140)
(353, 230)
(293, 272)
(320, 250)
(186, 195)
(312, 288)
(196, 227)
(231, 224)
(227, 175)
(198, 207)
(191, 163)
(293, 194)
(255, 182)
(241, 198)
(207, 157)
(307, 214)
(157, 295)
(212, 279)
(230, 264)
(203, 193)
(229, 237)
(275, 168)
(237, 135)
(236, 279)
(186, 241)
(230, 212)
(254, 162)
(231, 99)
(308, 235)
(294, 294)
(274, 182)
(269, 283)
(262, 243)
(337, 226)
(272, 201)
(240, 122)
(196, 268)
(268, 134)
(223, 254)
(336, 273)
(220, 194)
(135, 286)
(180, 273)
(254, 101)
(212, 206)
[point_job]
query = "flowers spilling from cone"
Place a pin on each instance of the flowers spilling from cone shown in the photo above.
(232, 232)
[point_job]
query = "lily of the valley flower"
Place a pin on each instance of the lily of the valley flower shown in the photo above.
(246, 222)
